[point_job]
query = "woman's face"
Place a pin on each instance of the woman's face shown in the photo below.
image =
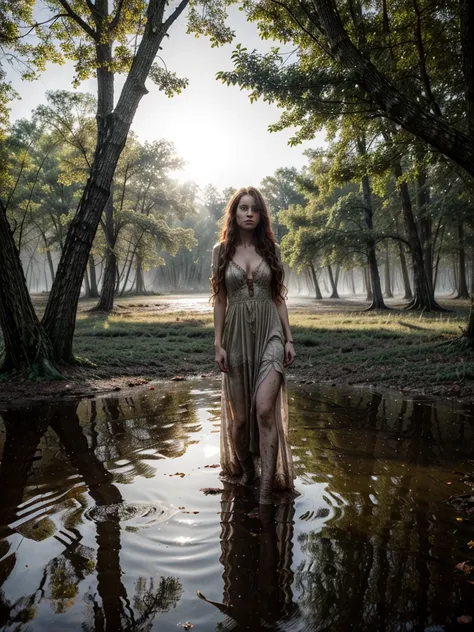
(247, 214)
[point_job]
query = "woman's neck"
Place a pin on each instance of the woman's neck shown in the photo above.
(245, 239)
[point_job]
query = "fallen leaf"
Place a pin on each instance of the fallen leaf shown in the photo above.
(214, 465)
(470, 544)
(464, 567)
(464, 618)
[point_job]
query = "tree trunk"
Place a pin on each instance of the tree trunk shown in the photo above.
(367, 284)
(436, 270)
(455, 273)
(93, 278)
(423, 296)
(48, 257)
(106, 301)
(334, 293)
(352, 282)
(470, 326)
(87, 284)
(124, 286)
(113, 128)
(376, 288)
(408, 294)
(139, 282)
(117, 277)
(462, 281)
(472, 270)
(425, 224)
(317, 289)
(26, 344)
(388, 283)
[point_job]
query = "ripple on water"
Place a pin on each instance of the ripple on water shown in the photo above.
(369, 540)
(138, 515)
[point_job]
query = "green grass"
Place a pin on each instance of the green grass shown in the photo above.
(394, 348)
(169, 344)
(401, 349)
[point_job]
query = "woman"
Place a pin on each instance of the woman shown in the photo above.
(253, 346)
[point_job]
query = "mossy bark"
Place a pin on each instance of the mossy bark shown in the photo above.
(27, 347)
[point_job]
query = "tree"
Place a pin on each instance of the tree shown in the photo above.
(190, 269)
(40, 200)
(145, 203)
(101, 43)
(281, 191)
(355, 57)
(336, 224)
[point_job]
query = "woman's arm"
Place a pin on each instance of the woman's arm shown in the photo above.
(285, 323)
(220, 307)
(290, 354)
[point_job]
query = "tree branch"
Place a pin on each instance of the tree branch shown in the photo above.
(175, 15)
(467, 44)
(116, 18)
(5, 38)
(77, 18)
(301, 26)
(422, 59)
(396, 106)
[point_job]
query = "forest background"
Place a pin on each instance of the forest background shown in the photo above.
(380, 213)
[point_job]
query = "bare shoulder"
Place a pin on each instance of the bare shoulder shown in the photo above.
(216, 250)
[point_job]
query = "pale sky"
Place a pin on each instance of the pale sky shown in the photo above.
(223, 138)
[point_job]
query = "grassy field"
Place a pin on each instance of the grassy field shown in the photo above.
(335, 342)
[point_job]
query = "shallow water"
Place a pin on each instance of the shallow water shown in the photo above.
(103, 525)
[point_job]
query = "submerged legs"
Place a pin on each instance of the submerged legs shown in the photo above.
(241, 439)
(265, 403)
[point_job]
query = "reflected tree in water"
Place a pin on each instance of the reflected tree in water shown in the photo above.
(383, 560)
(111, 607)
(148, 601)
(127, 428)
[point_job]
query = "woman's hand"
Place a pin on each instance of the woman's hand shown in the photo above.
(221, 359)
(290, 354)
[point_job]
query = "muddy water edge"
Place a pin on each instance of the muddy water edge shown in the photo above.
(104, 524)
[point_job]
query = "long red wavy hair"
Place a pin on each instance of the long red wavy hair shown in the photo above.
(264, 240)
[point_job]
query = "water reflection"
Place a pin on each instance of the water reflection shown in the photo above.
(257, 562)
(111, 608)
(103, 526)
(384, 561)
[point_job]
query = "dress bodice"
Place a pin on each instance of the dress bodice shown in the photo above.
(239, 289)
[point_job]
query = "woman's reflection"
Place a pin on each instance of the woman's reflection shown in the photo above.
(257, 557)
